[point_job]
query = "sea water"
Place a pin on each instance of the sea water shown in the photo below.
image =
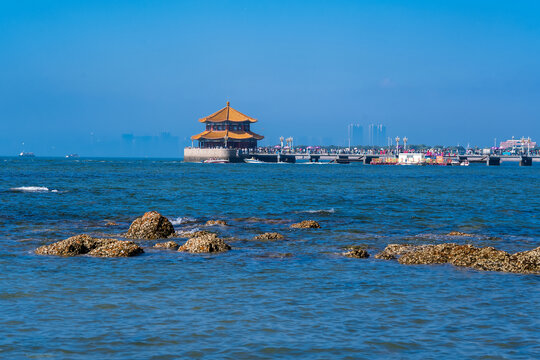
(294, 298)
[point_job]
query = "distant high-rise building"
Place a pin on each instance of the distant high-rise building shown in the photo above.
(376, 134)
(356, 134)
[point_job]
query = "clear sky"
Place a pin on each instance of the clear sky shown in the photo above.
(76, 75)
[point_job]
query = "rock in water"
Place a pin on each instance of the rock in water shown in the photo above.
(269, 236)
(306, 224)
(486, 258)
(205, 244)
(392, 251)
(458, 233)
(527, 261)
(117, 249)
(356, 253)
(85, 244)
(152, 225)
(75, 245)
(167, 245)
(216, 222)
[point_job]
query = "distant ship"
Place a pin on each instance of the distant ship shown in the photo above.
(27, 154)
(72, 156)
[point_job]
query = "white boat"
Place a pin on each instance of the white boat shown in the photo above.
(465, 163)
(455, 162)
(27, 154)
(216, 161)
(253, 161)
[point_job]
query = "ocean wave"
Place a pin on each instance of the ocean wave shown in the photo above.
(183, 220)
(32, 189)
(319, 211)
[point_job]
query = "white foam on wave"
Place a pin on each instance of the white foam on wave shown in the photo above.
(32, 189)
(319, 211)
(183, 220)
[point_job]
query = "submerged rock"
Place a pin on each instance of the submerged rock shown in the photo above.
(205, 244)
(275, 256)
(486, 258)
(356, 252)
(216, 222)
(167, 245)
(306, 224)
(152, 225)
(458, 233)
(85, 244)
(111, 223)
(269, 236)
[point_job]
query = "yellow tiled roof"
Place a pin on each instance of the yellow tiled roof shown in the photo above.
(235, 135)
(227, 114)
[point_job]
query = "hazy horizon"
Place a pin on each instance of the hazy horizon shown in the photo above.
(80, 77)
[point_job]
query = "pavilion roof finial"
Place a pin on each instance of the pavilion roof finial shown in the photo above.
(228, 103)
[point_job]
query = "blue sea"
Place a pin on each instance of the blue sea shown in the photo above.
(294, 298)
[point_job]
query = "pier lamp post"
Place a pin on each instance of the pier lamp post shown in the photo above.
(405, 143)
(397, 144)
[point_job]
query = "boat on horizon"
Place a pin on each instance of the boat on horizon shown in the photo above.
(72, 156)
(27, 154)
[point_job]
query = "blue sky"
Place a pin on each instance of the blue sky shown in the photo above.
(75, 75)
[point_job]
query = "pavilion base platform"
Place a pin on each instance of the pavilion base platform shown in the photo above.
(200, 155)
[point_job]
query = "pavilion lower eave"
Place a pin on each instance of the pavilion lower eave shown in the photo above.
(232, 135)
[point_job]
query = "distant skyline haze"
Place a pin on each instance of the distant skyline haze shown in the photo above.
(84, 76)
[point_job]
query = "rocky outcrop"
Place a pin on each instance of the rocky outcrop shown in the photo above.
(152, 225)
(111, 223)
(205, 244)
(216, 222)
(356, 252)
(458, 233)
(269, 236)
(167, 245)
(306, 224)
(392, 251)
(85, 244)
(486, 258)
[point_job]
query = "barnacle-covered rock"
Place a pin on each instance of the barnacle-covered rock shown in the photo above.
(152, 225)
(85, 244)
(356, 252)
(306, 224)
(392, 251)
(117, 248)
(269, 236)
(205, 244)
(485, 258)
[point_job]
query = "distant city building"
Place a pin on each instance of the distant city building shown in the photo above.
(518, 143)
(376, 135)
(356, 134)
